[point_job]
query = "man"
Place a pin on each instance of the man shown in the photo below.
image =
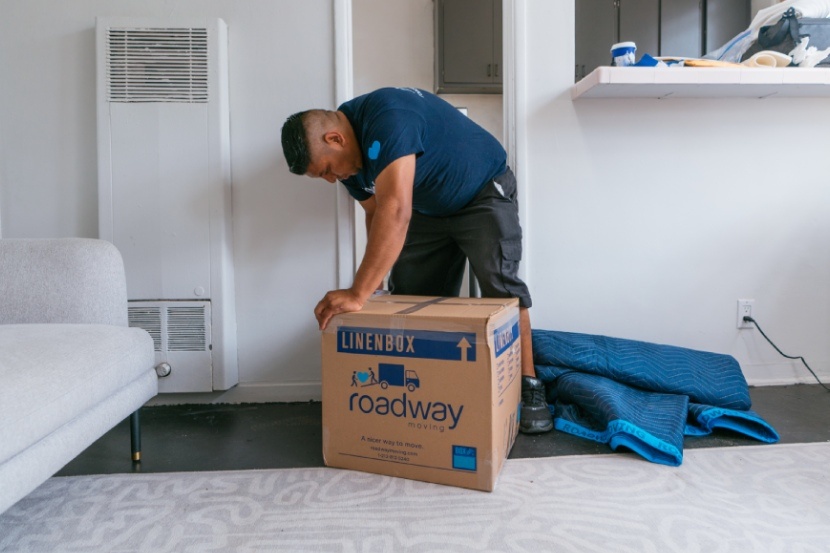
(436, 190)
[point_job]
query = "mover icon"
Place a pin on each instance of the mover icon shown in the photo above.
(397, 375)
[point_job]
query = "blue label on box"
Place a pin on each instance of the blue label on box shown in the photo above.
(505, 336)
(421, 344)
(464, 458)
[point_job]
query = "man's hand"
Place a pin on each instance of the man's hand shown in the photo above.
(336, 302)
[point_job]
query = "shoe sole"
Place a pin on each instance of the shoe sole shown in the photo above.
(541, 430)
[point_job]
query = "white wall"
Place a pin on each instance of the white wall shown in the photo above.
(281, 61)
(648, 219)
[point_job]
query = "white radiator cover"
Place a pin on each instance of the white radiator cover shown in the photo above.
(165, 182)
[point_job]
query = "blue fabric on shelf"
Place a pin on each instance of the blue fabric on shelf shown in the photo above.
(642, 396)
(647, 61)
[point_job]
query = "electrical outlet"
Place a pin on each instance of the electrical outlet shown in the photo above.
(745, 310)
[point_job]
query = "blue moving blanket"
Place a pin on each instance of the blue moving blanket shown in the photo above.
(643, 396)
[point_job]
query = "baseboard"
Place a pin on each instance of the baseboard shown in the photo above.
(270, 392)
(782, 374)
(784, 382)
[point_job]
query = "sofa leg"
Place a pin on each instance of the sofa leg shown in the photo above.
(135, 436)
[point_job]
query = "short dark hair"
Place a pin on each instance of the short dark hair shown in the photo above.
(295, 144)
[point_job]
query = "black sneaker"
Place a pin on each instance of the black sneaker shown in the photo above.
(535, 417)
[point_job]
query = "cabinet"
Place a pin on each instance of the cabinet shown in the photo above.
(640, 23)
(724, 20)
(596, 31)
(469, 46)
(683, 28)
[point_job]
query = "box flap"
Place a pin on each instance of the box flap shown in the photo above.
(415, 307)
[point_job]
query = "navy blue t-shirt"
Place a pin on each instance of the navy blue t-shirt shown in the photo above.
(455, 156)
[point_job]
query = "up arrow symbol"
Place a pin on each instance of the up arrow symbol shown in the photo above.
(465, 346)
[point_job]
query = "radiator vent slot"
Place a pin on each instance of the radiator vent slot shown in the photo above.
(157, 65)
(148, 318)
(186, 329)
(175, 326)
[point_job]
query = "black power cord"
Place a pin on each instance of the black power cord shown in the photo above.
(753, 321)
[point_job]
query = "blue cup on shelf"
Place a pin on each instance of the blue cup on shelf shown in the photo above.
(623, 54)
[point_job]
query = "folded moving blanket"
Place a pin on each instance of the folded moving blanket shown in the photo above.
(643, 396)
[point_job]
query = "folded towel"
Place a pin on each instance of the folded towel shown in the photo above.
(768, 58)
(642, 396)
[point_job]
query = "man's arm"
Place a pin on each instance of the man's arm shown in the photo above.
(369, 207)
(387, 224)
(369, 211)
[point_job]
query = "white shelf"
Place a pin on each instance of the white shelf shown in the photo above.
(703, 82)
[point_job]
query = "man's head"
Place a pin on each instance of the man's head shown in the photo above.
(321, 143)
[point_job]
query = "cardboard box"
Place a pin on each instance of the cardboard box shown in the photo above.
(423, 388)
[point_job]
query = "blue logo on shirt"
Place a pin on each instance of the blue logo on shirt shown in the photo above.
(374, 150)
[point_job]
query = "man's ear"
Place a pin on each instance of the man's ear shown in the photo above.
(333, 139)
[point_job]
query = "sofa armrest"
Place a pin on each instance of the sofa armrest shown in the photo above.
(62, 280)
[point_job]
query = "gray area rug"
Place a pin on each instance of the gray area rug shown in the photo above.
(755, 498)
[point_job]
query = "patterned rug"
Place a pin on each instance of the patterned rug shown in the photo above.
(754, 498)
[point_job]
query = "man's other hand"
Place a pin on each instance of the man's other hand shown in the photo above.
(334, 303)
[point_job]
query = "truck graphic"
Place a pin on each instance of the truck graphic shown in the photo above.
(397, 375)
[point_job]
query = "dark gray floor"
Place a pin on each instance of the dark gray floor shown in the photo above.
(284, 435)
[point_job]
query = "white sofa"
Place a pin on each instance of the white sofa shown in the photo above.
(70, 367)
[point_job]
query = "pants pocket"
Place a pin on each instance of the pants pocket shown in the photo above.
(511, 255)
